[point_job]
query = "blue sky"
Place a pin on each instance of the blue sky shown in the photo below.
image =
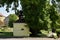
(4, 12)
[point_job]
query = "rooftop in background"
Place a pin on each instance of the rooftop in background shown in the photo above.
(1, 15)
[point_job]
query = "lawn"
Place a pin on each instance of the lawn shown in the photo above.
(6, 32)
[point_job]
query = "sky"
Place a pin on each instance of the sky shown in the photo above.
(5, 13)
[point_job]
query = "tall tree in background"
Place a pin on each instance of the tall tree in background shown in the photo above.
(34, 14)
(53, 15)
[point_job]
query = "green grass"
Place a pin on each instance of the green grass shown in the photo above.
(6, 34)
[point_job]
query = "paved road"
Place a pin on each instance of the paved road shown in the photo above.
(29, 39)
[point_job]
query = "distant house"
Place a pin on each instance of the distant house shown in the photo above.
(6, 20)
(2, 20)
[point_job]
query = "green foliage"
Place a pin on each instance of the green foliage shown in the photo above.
(58, 0)
(39, 14)
(12, 18)
(58, 24)
(34, 14)
(10, 24)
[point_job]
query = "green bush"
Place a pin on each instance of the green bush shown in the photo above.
(12, 19)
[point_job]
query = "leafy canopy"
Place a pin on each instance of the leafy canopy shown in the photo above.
(13, 17)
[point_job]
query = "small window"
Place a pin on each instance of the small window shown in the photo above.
(22, 29)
